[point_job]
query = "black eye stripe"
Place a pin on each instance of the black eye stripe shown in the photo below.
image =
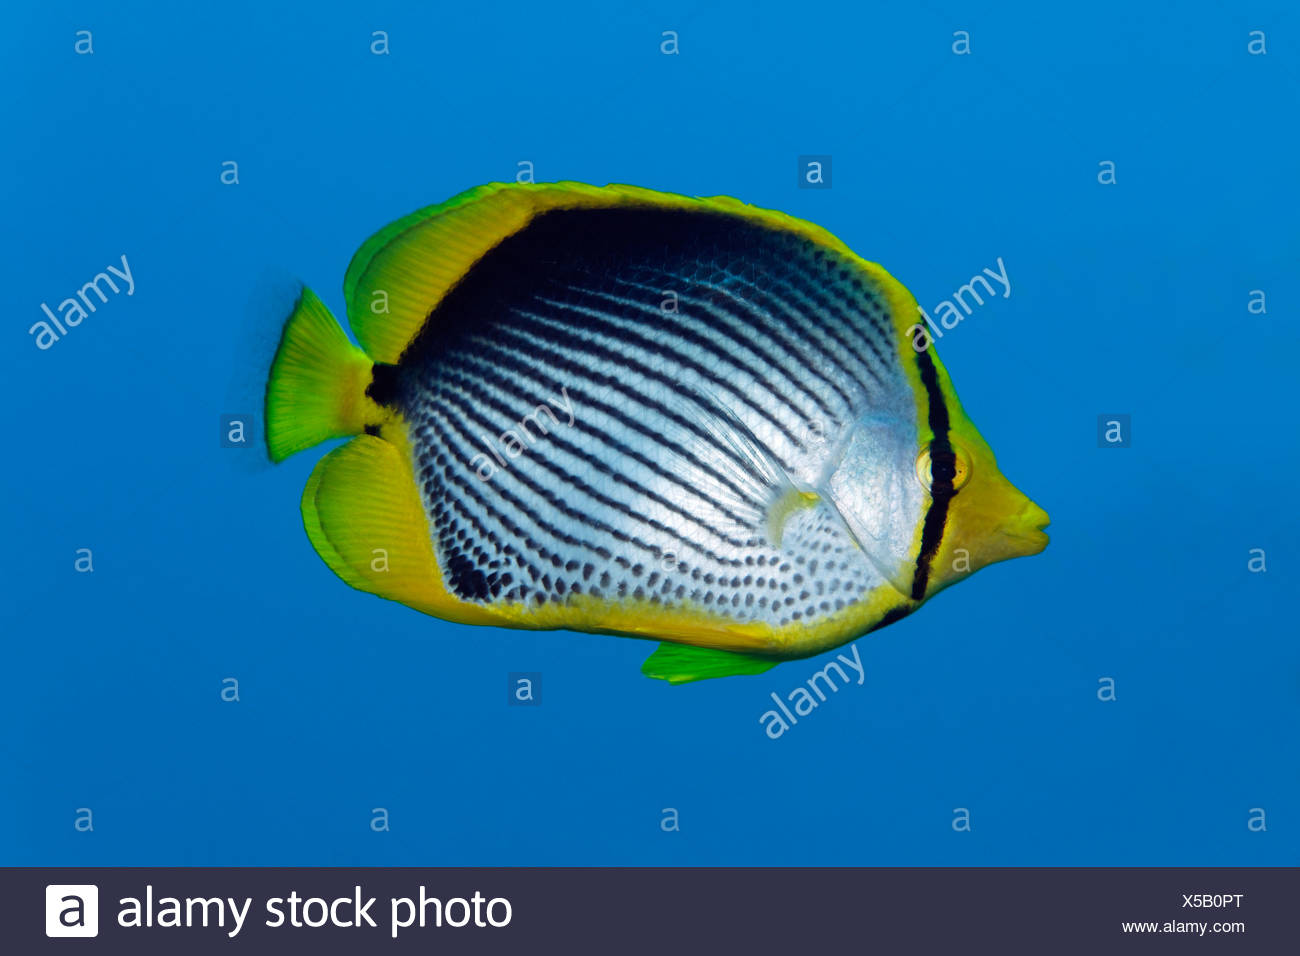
(943, 466)
(943, 469)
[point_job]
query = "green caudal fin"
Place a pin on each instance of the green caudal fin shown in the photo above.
(682, 663)
(316, 387)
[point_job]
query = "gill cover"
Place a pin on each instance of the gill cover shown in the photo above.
(872, 485)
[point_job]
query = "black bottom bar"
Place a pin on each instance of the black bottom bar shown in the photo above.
(667, 912)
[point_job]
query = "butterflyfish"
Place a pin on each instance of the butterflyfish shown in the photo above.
(627, 412)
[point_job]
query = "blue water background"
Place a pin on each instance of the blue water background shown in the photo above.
(1128, 298)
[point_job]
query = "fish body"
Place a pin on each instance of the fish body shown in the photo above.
(621, 411)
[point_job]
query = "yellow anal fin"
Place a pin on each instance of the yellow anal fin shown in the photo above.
(363, 514)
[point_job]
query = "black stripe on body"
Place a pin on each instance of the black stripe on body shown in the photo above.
(783, 337)
(520, 370)
(497, 513)
(832, 344)
(756, 303)
(943, 470)
(485, 567)
(685, 336)
(702, 249)
(484, 576)
(584, 319)
(480, 394)
(839, 323)
(551, 498)
(788, 364)
(501, 559)
(499, 352)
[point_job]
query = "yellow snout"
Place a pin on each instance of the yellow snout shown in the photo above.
(989, 520)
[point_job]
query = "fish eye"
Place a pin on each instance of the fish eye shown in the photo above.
(960, 465)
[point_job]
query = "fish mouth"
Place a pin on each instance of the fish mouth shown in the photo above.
(1028, 529)
(1036, 539)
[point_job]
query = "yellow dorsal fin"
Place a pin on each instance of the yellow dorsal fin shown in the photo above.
(401, 272)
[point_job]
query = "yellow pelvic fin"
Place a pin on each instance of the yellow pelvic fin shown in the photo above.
(363, 513)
